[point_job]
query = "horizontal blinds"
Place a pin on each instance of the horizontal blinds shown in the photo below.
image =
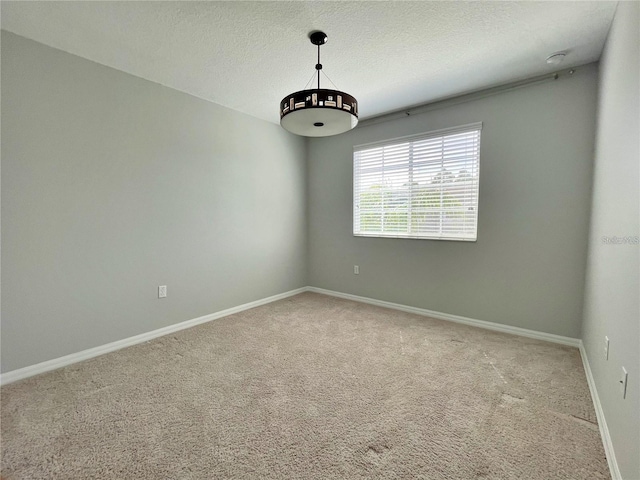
(419, 187)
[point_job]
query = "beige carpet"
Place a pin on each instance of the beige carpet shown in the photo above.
(310, 387)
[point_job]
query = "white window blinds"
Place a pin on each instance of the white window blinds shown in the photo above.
(423, 186)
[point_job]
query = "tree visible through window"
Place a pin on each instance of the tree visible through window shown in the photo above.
(420, 187)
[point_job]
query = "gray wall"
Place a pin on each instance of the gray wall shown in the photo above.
(113, 185)
(527, 267)
(612, 305)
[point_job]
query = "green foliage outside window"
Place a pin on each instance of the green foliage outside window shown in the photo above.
(413, 207)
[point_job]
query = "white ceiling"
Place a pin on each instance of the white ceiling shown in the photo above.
(389, 55)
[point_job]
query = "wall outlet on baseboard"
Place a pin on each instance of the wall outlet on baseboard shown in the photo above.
(356, 270)
(606, 348)
(623, 382)
(162, 291)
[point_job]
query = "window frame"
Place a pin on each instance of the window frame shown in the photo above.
(398, 141)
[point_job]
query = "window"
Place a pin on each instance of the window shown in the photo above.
(424, 186)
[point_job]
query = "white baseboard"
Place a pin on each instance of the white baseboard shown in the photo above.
(574, 342)
(498, 327)
(602, 422)
(56, 363)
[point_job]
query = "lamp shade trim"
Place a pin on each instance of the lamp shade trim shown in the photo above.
(318, 98)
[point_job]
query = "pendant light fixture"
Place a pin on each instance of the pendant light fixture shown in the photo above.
(318, 112)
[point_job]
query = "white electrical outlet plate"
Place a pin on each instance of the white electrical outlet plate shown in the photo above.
(623, 382)
(606, 348)
(356, 269)
(162, 291)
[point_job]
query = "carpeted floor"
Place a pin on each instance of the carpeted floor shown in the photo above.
(310, 387)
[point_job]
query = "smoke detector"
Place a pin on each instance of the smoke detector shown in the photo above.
(556, 58)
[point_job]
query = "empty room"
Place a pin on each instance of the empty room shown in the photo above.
(217, 263)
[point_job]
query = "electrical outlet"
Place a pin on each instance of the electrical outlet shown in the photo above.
(623, 382)
(356, 269)
(162, 291)
(606, 348)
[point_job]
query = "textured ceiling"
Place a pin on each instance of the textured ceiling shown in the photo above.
(389, 55)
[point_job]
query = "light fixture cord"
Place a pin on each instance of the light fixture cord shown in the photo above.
(334, 85)
(310, 82)
(320, 67)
